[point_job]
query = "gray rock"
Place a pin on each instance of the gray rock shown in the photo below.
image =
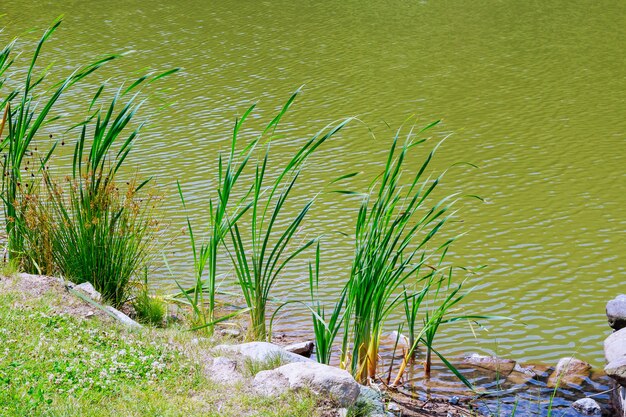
(234, 333)
(394, 408)
(303, 348)
(502, 366)
(617, 370)
(373, 399)
(569, 371)
(587, 406)
(616, 312)
(123, 318)
(88, 289)
(615, 346)
(225, 371)
(260, 351)
(318, 378)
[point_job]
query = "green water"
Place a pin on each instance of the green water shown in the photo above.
(533, 91)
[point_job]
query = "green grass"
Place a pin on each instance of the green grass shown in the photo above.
(60, 365)
(253, 367)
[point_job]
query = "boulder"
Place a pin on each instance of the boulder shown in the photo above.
(224, 370)
(261, 351)
(502, 366)
(88, 289)
(615, 346)
(303, 348)
(318, 378)
(617, 370)
(616, 312)
(569, 371)
(587, 407)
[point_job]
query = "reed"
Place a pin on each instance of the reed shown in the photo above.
(260, 259)
(394, 225)
(325, 330)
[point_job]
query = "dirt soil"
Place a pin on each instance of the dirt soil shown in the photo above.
(28, 286)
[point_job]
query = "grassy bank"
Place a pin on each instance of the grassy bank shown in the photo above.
(61, 357)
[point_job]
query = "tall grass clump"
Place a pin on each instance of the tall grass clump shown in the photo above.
(395, 224)
(102, 230)
(26, 110)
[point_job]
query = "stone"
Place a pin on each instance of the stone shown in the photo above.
(616, 312)
(569, 371)
(261, 351)
(394, 408)
(303, 348)
(491, 363)
(88, 289)
(615, 346)
(373, 399)
(123, 318)
(234, 333)
(587, 407)
(319, 379)
(617, 371)
(224, 370)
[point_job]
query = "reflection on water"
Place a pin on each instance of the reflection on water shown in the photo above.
(533, 91)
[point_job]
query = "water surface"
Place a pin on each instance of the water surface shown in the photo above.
(533, 91)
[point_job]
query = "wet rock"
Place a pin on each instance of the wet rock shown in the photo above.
(521, 374)
(615, 346)
(569, 371)
(616, 312)
(88, 289)
(303, 348)
(617, 370)
(317, 378)
(224, 370)
(587, 407)
(261, 351)
(123, 318)
(502, 366)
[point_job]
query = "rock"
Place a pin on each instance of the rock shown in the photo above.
(89, 314)
(318, 378)
(303, 348)
(502, 366)
(373, 399)
(88, 289)
(454, 400)
(224, 370)
(615, 346)
(123, 318)
(261, 351)
(394, 408)
(617, 370)
(616, 312)
(587, 407)
(234, 333)
(569, 371)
